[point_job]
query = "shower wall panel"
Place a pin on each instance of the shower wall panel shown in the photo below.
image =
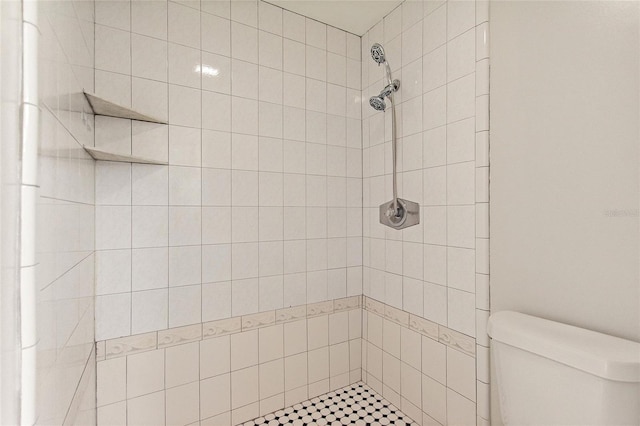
(255, 221)
(260, 205)
(436, 272)
(64, 194)
(229, 371)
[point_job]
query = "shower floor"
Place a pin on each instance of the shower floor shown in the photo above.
(355, 404)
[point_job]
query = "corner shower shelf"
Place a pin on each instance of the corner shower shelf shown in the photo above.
(99, 154)
(103, 106)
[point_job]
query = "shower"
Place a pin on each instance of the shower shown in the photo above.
(397, 213)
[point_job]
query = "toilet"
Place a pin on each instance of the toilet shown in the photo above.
(550, 373)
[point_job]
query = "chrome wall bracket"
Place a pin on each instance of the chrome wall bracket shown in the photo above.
(407, 214)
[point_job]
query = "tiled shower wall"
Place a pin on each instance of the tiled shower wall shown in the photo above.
(436, 272)
(64, 193)
(259, 210)
(228, 371)
(230, 232)
(260, 205)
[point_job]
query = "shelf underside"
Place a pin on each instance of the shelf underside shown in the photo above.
(99, 154)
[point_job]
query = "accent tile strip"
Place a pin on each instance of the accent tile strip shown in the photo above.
(131, 344)
(445, 335)
(258, 320)
(122, 346)
(179, 335)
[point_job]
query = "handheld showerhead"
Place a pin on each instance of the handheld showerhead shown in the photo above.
(377, 53)
(378, 103)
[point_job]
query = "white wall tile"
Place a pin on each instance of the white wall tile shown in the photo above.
(461, 141)
(150, 97)
(461, 55)
(145, 373)
(184, 226)
(244, 42)
(216, 34)
(216, 261)
(215, 395)
(460, 17)
(215, 358)
(434, 359)
(435, 303)
(434, 399)
(112, 377)
(461, 98)
(149, 226)
(149, 18)
(318, 360)
(149, 58)
(460, 226)
(293, 26)
(182, 404)
(108, 220)
(461, 373)
(216, 298)
(113, 316)
(185, 305)
(184, 25)
(113, 271)
(114, 14)
(245, 11)
(147, 409)
(113, 414)
(244, 350)
(244, 389)
(461, 311)
(113, 50)
(245, 297)
(270, 18)
(459, 409)
(461, 269)
(182, 365)
(149, 310)
(316, 33)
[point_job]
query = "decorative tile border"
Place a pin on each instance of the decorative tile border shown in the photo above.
(178, 335)
(128, 345)
(262, 319)
(291, 314)
(453, 339)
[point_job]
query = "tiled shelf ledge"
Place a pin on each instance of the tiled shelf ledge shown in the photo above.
(103, 106)
(128, 345)
(99, 154)
(439, 333)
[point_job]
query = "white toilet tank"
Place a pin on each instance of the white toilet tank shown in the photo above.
(550, 373)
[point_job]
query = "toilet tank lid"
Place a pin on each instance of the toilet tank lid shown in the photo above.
(599, 354)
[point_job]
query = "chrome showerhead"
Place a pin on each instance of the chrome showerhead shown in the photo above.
(390, 88)
(377, 53)
(377, 102)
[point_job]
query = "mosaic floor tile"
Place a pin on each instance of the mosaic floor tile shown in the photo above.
(355, 404)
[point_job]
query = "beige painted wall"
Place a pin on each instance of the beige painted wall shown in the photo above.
(565, 162)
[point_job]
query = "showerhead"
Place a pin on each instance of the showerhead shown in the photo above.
(377, 53)
(378, 103)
